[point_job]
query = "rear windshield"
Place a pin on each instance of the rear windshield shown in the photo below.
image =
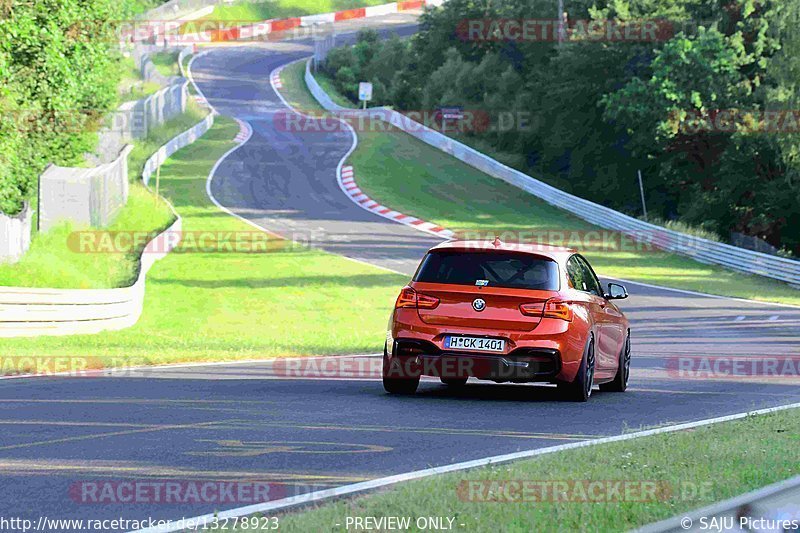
(495, 269)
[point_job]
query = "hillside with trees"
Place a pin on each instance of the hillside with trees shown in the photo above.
(707, 110)
(59, 66)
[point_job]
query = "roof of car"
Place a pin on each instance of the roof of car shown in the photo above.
(545, 250)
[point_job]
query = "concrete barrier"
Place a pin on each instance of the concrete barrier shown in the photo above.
(85, 196)
(15, 235)
(319, 94)
(141, 57)
(703, 250)
(135, 119)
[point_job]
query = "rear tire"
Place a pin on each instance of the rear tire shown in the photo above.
(580, 390)
(454, 382)
(405, 386)
(402, 385)
(620, 382)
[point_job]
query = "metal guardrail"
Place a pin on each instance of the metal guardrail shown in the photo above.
(780, 501)
(703, 250)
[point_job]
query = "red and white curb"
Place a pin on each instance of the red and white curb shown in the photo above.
(347, 182)
(345, 176)
(155, 29)
(275, 78)
(245, 131)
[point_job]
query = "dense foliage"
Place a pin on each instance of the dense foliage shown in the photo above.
(586, 114)
(59, 69)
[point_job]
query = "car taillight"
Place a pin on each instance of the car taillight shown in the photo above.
(560, 310)
(532, 309)
(548, 309)
(409, 298)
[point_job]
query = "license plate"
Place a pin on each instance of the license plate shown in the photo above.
(474, 343)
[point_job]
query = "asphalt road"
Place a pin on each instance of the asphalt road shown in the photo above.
(259, 422)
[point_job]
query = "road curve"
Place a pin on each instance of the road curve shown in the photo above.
(248, 421)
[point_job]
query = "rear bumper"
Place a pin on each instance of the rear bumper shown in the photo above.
(414, 357)
(550, 352)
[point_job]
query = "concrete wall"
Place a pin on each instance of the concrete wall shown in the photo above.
(85, 196)
(134, 120)
(141, 57)
(15, 235)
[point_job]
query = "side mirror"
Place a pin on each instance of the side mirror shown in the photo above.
(616, 292)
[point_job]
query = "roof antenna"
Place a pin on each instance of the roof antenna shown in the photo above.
(497, 242)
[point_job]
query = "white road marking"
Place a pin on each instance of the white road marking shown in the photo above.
(345, 490)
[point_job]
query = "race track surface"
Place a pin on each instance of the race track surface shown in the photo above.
(257, 422)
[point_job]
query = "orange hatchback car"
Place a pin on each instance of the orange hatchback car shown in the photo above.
(508, 313)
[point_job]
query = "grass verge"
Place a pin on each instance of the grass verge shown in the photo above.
(736, 457)
(210, 306)
(415, 178)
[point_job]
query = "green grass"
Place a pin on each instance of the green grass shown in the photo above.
(166, 63)
(227, 306)
(735, 457)
(249, 11)
(412, 177)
